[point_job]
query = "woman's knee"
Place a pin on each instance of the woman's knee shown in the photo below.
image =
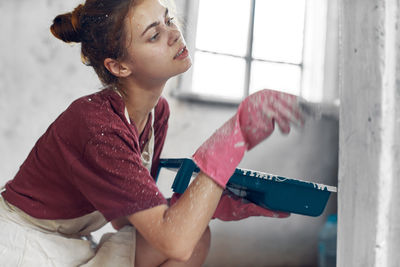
(203, 246)
(205, 240)
(146, 255)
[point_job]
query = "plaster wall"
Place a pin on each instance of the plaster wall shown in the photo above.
(368, 233)
(40, 76)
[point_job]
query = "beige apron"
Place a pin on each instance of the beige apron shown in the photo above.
(27, 241)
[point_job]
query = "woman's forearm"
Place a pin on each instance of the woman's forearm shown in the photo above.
(191, 214)
(176, 230)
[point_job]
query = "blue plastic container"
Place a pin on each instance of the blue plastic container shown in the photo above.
(327, 243)
(267, 190)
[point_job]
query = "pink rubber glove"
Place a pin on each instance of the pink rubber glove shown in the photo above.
(234, 208)
(254, 121)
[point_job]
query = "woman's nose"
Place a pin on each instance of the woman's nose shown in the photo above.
(174, 36)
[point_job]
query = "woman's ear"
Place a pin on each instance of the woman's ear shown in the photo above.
(117, 68)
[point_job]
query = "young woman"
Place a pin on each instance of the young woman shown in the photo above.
(96, 162)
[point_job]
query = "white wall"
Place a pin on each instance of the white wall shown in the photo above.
(369, 174)
(40, 76)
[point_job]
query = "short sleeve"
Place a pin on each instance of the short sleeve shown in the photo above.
(112, 178)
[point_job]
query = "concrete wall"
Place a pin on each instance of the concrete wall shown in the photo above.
(369, 134)
(40, 76)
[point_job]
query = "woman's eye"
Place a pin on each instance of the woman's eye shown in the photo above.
(170, 21)
(154, 37)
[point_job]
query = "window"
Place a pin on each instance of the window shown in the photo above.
(243, 46)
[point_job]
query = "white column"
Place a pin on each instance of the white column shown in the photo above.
(369, 158)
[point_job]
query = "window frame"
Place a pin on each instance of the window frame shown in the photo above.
(312, 66)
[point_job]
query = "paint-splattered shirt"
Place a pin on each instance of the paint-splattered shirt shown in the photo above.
(90, 159)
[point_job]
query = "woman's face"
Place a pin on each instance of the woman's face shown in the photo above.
(156, 49)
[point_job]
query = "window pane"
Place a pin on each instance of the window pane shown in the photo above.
(223, 26)
(276, 76)
(278, 30)
(218, 75)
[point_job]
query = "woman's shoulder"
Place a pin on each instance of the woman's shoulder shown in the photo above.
(102, 102)
(101, 99)
(103, 109)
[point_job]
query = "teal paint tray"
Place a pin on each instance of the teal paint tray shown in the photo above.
(267, 190)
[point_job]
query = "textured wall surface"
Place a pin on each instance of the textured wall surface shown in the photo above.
(369, 134)
(40, 76)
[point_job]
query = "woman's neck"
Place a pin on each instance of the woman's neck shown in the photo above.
(140, 100)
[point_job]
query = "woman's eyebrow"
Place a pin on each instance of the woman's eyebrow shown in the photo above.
(156, 23)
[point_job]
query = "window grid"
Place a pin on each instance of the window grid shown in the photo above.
(248, 58)
(249, 55)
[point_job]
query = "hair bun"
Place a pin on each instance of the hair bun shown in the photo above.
(66, 27)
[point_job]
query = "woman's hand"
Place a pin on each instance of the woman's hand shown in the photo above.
(234, 208)
(253, 122)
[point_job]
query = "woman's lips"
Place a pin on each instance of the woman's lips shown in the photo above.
(183, 53)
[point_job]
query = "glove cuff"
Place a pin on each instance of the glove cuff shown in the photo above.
(219, 156)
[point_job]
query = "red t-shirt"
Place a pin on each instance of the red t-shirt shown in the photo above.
(90, 159)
